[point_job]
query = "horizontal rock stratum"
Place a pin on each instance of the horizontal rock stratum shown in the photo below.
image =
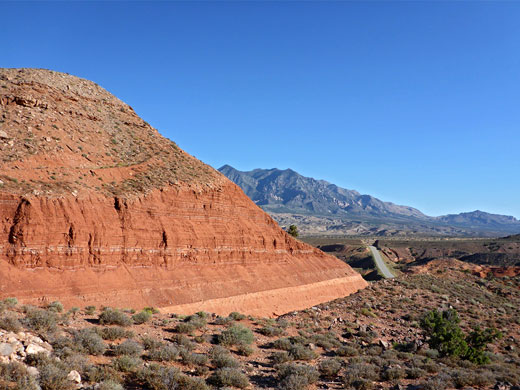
(96, 207)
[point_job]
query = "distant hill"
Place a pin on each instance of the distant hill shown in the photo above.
(320, 207)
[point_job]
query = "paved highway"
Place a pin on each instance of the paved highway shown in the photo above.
(380, 264)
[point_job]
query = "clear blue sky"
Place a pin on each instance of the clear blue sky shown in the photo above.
(417, 103)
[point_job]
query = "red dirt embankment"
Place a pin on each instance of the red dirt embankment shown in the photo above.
(97, 208)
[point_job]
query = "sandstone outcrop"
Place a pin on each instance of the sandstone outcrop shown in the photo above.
(97, 207)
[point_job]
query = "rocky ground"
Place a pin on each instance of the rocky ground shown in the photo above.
(372, 339)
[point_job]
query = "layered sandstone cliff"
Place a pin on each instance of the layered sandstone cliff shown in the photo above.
(97, 207)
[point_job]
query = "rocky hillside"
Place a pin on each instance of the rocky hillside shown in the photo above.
(319, 207)
(97, 206)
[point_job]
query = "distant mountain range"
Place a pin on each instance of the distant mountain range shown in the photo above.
(319, 207)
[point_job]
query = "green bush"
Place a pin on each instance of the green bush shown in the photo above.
(142, 317)
(444, 334)
(229, 377)
(236, 335)
(128, 347)
(114, 317)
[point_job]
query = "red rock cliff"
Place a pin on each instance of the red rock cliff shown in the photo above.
(97, 208)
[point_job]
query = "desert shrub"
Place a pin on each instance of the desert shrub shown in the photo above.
(393, 373)
(129, 347)
(78, 362)
(193, 359)
(110, 385)
(356, 371)
(150, 343)
(347, 350)
(237, 316)
(114, 317)
(55, 306)
(362, 384)
(330, 367)
(270, 331)
(63, 346)
(10, 323)
(185, 327)
(142, 317)
(53, 377)
(296, 376)
(405, 347)
(151, 310)
(301, 352)
(185, 342)
(223, 320)
(163, 353)
(126, 363)
(415, 373)
(88, 341)
(220, 357)
(97, 374)
(115, 333)
(10, 302)
(228, 377)
(326, 341)
(90, 310)
(438, 382)
(157, 377)
(18, 376)
(40, 320)
(190, 383)
(73, 311)
(245, 350)
(236, 335)
(283, 344)
(468, 378)
(281, 357)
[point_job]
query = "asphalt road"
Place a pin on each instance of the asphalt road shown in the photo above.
(387, 274)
